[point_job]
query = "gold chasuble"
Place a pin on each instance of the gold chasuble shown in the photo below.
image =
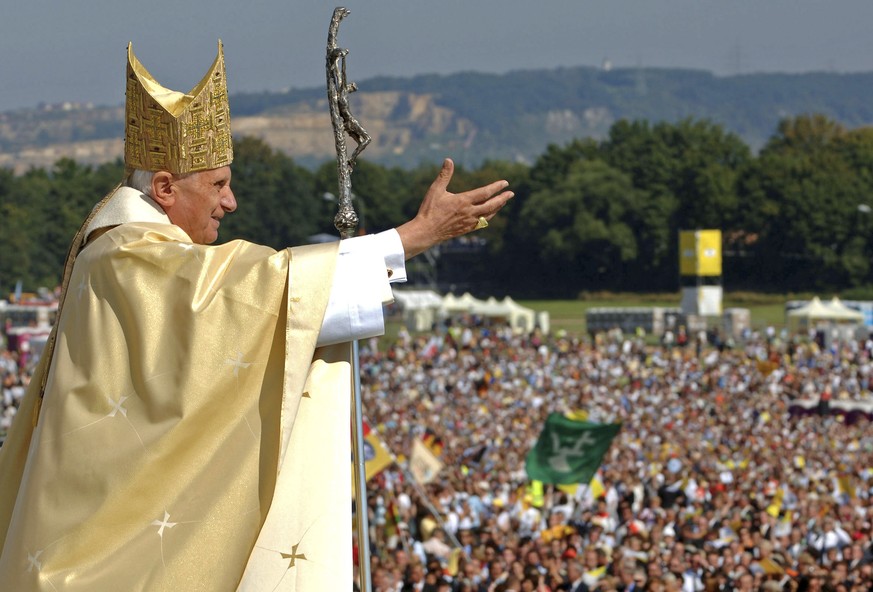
(191, 436)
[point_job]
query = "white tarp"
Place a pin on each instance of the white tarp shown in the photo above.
(841, 311)
(417, 299)
(817, 313)
(421, 308)
(517, 316)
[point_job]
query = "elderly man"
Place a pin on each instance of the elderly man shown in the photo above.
(188, 428)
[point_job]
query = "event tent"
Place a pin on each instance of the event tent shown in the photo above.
(843, 312)
(818, 314)
(424, 307)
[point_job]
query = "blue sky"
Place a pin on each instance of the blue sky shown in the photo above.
(57, 50)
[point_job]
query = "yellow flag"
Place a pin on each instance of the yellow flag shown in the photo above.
(770, 567)
(376, 456)
(537, 494)
(844, 486)
(596, 487)
(423, 464)
(577, 415)
(597, 572)
(569, 488)
(776, 505)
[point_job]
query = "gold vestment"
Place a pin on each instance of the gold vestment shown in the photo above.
(191, 436)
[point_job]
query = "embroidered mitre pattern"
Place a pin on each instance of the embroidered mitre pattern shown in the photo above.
(171, 131)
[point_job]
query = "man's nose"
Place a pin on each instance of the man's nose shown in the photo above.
(228, 201)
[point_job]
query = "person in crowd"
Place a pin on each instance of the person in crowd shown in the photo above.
(714, 482)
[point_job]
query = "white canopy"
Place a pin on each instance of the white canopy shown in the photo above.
(519, 317)
(816, 311)
(841, 311)
(465, 303)
(417, 299)
(422, 307)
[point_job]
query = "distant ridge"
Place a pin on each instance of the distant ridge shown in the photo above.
(471, 116)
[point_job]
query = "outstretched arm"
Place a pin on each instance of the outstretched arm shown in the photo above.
(443, 215)
(357, 294)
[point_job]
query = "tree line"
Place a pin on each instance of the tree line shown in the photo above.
(588, 215)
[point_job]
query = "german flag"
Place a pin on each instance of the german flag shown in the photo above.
(433, 442)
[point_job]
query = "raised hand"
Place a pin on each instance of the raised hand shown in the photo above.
(444, 215)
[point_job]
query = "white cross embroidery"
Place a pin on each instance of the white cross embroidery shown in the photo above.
(83, 286)
(187, 250)
(117, 406)
(32, 560)
(164, 524)
(237, 364)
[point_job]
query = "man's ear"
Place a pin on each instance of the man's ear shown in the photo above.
(163, 191)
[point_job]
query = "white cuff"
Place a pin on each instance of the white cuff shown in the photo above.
(361, 286)
(388, 243)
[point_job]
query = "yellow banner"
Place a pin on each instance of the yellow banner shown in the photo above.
(376, 455)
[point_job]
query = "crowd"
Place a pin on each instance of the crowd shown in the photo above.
(14, 378)
(711, 484)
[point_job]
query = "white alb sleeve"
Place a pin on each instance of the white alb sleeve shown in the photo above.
(365, 266)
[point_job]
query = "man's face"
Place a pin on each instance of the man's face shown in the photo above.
(203, 199)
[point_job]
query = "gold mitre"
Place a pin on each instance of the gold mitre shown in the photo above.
(166, 130)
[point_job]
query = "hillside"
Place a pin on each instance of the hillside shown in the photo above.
(471, 116)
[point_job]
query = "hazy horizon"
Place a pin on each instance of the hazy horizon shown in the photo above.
(75, 51)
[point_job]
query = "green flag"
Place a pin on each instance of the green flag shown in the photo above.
(569, 451)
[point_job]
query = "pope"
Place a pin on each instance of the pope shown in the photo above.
(188, 426)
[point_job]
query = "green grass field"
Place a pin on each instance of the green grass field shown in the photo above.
(570, 314)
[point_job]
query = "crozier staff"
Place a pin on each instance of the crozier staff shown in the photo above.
(189, 428)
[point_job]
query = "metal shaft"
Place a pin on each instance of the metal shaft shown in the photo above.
(346, 222)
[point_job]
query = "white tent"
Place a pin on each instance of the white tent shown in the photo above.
(520, 317)
(420, 308)
(814, 309)
(452, 304)
(517, 316)
(817, 314)
(417, 299)
(490, 308)
(842, 312)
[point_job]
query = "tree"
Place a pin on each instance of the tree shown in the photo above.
(556, 162)
(690, 171)
(583, 227)
(276, 200)
(806, 190)
(15, 240)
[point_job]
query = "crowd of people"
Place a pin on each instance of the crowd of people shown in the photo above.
(14, 377)
(712, 483)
